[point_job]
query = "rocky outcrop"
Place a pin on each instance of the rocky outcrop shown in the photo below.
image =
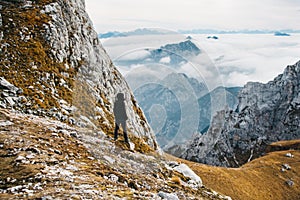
(51, 53)
(10, 94)
(266, 113)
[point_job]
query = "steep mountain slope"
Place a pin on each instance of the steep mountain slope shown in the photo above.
(266, 113)
(42, 158)
(210, 103)
(51, 53)
(171, 107)
(273, 176)
(177, 103)
(57, 88)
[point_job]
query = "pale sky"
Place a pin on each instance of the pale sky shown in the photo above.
(126, 15)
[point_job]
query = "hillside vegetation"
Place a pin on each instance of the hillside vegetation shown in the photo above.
(273, 176)
(42, 158)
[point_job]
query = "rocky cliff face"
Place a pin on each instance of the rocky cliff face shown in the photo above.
(57, 88)
(266, 113)
(52, 64)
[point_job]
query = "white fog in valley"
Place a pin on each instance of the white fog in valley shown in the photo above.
(251, 57)
(239, 58)
(175, 55)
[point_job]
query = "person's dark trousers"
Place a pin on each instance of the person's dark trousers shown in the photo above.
(123, 124)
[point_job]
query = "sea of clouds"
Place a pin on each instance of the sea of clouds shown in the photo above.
(233, 59)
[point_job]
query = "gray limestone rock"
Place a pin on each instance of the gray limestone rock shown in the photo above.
(82, 63)
(78, 42)
(168, 196)
(266, 113)
(8, 88)
(290, 183)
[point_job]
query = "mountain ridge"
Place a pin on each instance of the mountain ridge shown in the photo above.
(52, 54)
(57, 88)
(149, 31)
(263, 178)
(265, 113)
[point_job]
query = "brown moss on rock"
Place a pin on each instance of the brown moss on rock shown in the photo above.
(140, 144)
(82, 100)
(26, 59)
(138, 110)
(29, 62)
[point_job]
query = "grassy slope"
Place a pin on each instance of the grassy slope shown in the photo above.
(62, 166)
(261, 178)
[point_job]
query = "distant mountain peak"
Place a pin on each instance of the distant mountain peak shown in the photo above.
(139, 31)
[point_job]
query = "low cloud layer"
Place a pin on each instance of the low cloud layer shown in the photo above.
(242, 58)
(231, 60)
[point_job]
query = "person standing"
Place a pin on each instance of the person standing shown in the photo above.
(120, 116)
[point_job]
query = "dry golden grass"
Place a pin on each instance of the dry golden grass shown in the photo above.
(26, 135)
(55, 150)
(284, 145)
(176, 180)
(138, 110)
(261, 178)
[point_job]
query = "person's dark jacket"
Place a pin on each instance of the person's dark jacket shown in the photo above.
(120, 111)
